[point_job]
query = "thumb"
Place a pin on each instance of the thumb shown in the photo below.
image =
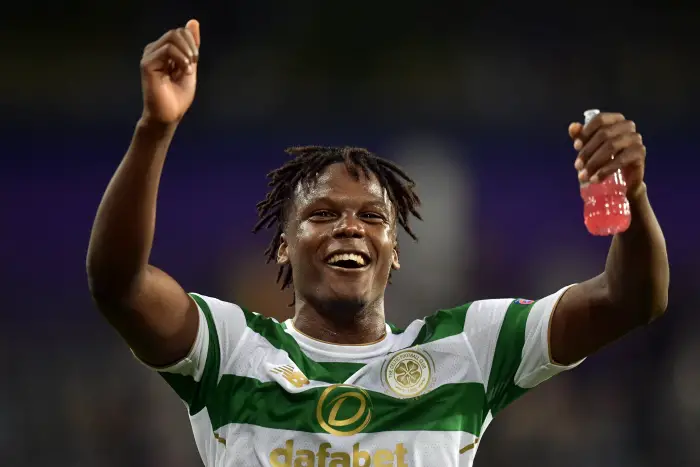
(575, 129)
(193, 26)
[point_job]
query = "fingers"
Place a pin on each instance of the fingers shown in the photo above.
(177, 37)
(599, 121)
(609, 149)
(610, 155)
(188, 35)
(606, 144)
(581, 133)
(574, 129)
(176, 50)
(603, 144)
(168, 57)
(193, 27)
(604, 137)
(633, 155)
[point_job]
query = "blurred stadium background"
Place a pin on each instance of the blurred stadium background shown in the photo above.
(473, 99)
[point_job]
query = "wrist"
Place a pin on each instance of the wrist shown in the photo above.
(155, 128)
(638, 193)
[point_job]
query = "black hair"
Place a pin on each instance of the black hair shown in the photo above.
(304, 168)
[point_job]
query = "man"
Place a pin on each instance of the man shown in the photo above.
(336, 385)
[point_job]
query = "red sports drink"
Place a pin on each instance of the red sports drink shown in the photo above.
(606, 210)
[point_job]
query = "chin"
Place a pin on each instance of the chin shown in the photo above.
(343, 304)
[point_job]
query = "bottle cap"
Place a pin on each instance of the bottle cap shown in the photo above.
(589, 114)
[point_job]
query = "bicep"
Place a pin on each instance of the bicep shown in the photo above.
(584, 321)
(157, 319)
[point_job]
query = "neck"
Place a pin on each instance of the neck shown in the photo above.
(364, 326)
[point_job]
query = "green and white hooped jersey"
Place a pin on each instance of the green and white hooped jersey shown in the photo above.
(259, 393)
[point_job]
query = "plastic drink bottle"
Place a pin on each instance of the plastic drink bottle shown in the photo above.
(606, 210)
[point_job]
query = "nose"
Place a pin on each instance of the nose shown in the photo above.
(349, 226)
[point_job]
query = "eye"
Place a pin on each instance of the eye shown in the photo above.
(321, 215)
(373, 216)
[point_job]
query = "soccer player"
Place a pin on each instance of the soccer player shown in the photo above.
(336, 385)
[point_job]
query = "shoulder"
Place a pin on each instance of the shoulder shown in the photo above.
(480, 317)
(461, 318)
(492, 312)
(442, 324)
(234, 320)
(217, 308)
(208, 303)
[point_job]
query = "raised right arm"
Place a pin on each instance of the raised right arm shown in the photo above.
(147, 307)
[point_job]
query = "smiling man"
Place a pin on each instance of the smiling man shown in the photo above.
(336, 211)
(336, 385)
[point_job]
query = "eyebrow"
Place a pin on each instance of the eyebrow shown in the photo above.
(375, 203)
(379, 204)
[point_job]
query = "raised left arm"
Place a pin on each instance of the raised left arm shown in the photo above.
(633, 289)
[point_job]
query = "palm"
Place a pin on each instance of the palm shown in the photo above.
(167, 96)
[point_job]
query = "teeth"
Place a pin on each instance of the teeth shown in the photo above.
(347, 257)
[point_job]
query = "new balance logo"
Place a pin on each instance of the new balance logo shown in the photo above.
(295, 377)
(220, 439)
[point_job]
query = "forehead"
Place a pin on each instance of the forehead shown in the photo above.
(337, 184)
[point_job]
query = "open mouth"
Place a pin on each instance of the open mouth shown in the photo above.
(348, 260)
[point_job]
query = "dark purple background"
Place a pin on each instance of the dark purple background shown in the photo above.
(498, 85)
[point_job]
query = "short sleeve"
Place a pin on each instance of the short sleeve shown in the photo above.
(221, 326)
(510, 341)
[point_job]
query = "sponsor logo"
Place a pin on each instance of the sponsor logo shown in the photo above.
(408, 373)
(469, 446)
(343, 410)
(293, 376)
(524, 301)
(324, 456)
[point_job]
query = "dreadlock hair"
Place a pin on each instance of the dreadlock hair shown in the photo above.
(304, 168)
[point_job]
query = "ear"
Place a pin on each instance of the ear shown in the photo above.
(395, 258)
(283, 250)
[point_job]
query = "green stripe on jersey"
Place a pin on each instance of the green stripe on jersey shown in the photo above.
(444, 323)
(274, 333)
(502, 389)
(194, 392)
(394, 328)
(450, 407)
